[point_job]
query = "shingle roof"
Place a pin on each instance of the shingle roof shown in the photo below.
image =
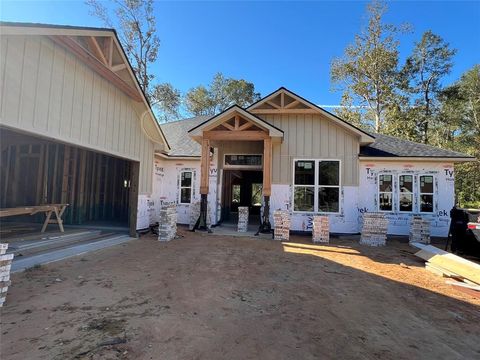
(384, 146)
(389, 146)
(177, 136)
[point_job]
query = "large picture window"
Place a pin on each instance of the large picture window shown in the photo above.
(426, 193)
(385, 192)
(316, 186)
(186, 184)
(405, 190)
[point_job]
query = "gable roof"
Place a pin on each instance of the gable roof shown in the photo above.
(149, 123)
(365, 137)
(213, 121)
(390, 147)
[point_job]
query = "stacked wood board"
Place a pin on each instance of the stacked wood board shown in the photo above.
(242, 219)
(281, 225)
(450, 266)
(167, 224)
(374, 229)
(419, 230)
(321, 229)
(5, 266)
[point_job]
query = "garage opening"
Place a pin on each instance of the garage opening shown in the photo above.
(35, 171)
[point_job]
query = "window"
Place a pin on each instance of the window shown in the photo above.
(328, 186)
(243, 160)
(316, 186)
(385, 192)
(405, 190)
(426, 193)
(186, 187)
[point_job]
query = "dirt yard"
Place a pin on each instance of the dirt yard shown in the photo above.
(212, 297)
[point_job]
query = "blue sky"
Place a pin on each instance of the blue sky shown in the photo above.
(272, 44)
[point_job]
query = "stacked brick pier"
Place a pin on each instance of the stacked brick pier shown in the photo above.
(282, 223)
(5, 265)
(419, 230)
(374, 229)
(321, 229)
(167, 223)
(242, 219)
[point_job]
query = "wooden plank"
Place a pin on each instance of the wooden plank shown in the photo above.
(284, 111)
(235, 135)
(96, 50)
(92, 62)
(133, 195)
(246, 126)
(65, 174)
(237, 122)
(204, 166)
(267, 167)
(450, 262)
(81, 186)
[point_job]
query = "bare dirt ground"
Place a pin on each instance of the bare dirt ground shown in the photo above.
(212, 297)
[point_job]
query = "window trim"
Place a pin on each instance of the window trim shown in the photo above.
(316, 186)
(413, 194)
(385, 192)
(419, 194)
(246, 167)
(185, 187)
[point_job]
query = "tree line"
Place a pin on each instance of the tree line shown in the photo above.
(379, 94)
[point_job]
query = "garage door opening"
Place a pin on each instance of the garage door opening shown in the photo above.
(35, 171)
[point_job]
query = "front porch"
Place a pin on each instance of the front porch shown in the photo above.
(244, 145)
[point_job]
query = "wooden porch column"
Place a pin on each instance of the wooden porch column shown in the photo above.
(267, 167)
(204, 167)
(204, 175)
(265, 226)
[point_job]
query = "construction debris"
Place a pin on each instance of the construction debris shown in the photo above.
(242, 219)
(449, 265)
(374, 229)
(282, 223)
(5, 266)
(321, 229)
(167, 223)
(419, 230)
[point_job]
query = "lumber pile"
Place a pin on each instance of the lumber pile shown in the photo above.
(167, 223)
(419, 230)
(374, 229)
(5, 265)
(448, 265)
(281, 225)
(321, 229)
(242, 219)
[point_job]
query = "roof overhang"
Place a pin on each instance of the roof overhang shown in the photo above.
(417, 158)
(365, 138)
(149, 124)
(197, 132)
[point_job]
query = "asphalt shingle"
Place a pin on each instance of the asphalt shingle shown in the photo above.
(384, 146)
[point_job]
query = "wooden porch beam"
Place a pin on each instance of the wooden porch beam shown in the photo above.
(119, 67)
(284, 111)
(292, 104)
(92, 62)
(228, 126)
(97, 51)
(237, 122)
(273, 104)
(245, 126)
(235, 135)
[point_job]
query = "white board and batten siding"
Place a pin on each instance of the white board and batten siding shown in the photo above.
(312, 136)
(47, 91)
